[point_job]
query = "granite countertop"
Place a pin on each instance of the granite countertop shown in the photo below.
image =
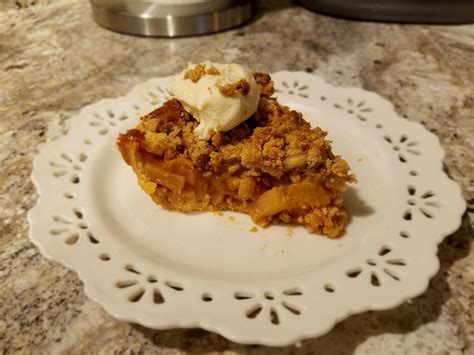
(54, 60)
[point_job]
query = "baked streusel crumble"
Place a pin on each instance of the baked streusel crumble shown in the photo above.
(273, 166)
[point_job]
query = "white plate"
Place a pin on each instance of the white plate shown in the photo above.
(164, 269)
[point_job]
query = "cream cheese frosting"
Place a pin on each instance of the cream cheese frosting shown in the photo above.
(219, 96)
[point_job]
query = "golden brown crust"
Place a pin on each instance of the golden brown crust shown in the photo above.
(275, 153)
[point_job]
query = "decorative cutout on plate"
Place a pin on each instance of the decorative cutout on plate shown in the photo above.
(404, 234)
(72, 227)
(359, 109)
(424, 202)
(273, 303)
(403, 146)
(105, 120)
(137, 285)
(69, 195)
(382, 263)
(294, 88)
(207, 297)
(104, 257)
(68, 165)
(329, 288)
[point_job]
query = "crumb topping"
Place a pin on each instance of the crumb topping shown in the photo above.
(264, 84)
(195, 74)
(212, 71)
(242, 87)
(275, 142)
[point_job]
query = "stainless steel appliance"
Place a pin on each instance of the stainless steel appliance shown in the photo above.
(171, 18)
(414, 11)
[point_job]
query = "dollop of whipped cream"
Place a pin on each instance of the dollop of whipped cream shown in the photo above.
(219, 96)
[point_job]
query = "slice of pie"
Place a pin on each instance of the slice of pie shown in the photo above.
(273, 166)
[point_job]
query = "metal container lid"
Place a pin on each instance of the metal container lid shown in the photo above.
(408, 11)
(171, 18)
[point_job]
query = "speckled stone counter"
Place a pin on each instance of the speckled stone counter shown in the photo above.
(54, 60)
